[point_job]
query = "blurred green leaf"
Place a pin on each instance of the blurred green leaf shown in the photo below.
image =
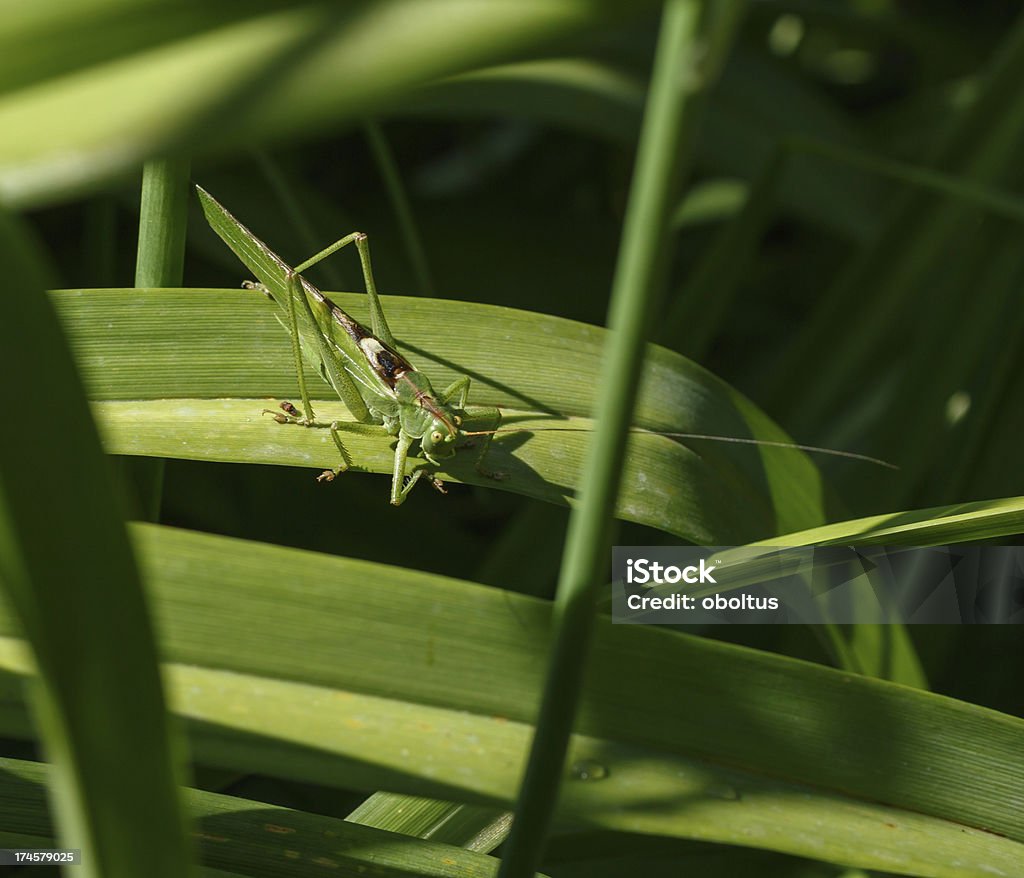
(754, 107)
(933, 261)
(68, 571)
(253, 79)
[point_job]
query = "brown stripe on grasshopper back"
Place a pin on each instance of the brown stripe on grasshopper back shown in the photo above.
(385, 360)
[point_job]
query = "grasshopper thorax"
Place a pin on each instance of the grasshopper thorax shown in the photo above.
(436, 424)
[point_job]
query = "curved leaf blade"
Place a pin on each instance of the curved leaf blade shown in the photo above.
(62, 533)
(155, 354)
(356, 674)
(958, 523)
(237, 79)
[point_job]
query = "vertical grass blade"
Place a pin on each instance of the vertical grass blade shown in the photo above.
(399, 198)
(666, 138)
(159, 262)
(282, 187)
(699, 309)
(68, 571)
(980, 146)
(162, 223)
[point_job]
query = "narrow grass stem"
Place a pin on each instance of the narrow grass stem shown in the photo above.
(666, 140)
(159, 262)
(162, 223)
(71, 579)
(388, 168)
(297, 217)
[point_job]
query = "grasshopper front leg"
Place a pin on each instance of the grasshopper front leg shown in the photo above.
(460, 388)
(399, 487)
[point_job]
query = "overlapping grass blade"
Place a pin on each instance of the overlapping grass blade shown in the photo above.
(693, 40)
(252, 838)
(242, 79)
(958, 523)
(171, 347)
(933, 261)
(355, 674)
(606, 100)
(67, 570)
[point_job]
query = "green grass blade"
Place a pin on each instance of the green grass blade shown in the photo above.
(187, 373)
(160, 262)
(253, 838)
(958, 523)
(387, 167)
(253, 75)
(393, 687)
(468, 826)
(163, 223)
(965, 522)
(664, 150)
(68, 571)
(585, 94)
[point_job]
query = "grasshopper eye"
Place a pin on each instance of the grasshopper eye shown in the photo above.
(458, 420)
(436, 436)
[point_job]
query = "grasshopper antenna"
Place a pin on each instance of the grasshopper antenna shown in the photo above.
(737, 440)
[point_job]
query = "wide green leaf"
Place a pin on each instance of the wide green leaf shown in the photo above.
(68, 573)
(186, 373)
(362, 675)
(232, 78)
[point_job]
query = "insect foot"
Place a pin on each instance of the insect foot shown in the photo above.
(291, 415)
(326, 476)
(256, 285)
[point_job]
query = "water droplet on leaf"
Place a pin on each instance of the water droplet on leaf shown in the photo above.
(589, 769)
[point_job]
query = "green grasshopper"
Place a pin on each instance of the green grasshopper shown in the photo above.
(377, 383)
(379, 386)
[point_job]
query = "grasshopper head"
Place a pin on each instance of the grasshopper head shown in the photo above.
(443, 432)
